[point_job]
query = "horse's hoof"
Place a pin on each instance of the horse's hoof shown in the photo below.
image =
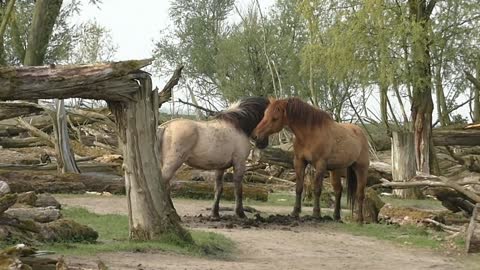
(241, 215)
(215, 217)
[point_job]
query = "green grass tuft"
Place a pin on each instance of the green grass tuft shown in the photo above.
(408, 235)
(113, 236)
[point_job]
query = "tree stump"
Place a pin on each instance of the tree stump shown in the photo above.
(404, 163)
(372, 206)
(472, 240)
(150, 209)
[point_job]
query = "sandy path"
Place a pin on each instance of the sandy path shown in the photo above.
(305, 248)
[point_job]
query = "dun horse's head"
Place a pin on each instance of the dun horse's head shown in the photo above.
(274, 119)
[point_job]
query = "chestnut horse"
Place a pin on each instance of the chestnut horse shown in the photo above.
(326, 145)
(217, 144)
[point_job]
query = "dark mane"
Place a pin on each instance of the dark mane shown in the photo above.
(301, 112)
(246, 115)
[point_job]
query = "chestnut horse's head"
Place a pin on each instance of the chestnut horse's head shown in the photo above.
(274, 119)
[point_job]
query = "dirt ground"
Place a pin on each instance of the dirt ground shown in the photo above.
(304, 247)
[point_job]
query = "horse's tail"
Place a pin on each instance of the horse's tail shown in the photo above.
(351, 188)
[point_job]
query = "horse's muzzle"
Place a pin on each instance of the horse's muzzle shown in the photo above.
(261, 143)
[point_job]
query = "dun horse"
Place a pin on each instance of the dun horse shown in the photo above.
(217, 144)
(325, 144)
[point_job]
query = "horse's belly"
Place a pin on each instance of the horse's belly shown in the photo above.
(209, 163)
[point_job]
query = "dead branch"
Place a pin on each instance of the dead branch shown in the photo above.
(166, 94)
(94, 116)
(208, 111)
(449, 229)
(431, 181)
(37, 132)
(261, 178)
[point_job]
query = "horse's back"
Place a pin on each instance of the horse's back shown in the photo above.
(202, 144)
(348, 144)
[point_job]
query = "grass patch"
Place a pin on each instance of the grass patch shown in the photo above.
(407, 235)
(421, 204)
(113, 236)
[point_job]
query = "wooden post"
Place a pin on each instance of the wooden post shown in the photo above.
(150, 210)
(403, 162)
(472, 240)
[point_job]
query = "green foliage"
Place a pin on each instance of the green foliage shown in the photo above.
(113, 237)
(69, 43)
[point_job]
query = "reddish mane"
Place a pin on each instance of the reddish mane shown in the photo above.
(301, 112)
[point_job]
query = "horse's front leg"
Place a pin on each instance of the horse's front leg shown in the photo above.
(238, 172)
(317, 188)
(299, 164)
(218, 193)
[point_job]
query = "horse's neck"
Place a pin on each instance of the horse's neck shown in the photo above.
(302, 133)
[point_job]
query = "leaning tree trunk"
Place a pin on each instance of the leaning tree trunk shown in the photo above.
(65, 156)
(472, 240)
(403, 162)
(151, 213)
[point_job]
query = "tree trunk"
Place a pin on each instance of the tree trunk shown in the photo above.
(403, 163)
(472, 240)
(65, 157)
(44, 17)
(442, 109)
(422, 103)
(150, 209)
(3, 26)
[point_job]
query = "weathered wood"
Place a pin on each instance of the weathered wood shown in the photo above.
(403, 162)
(443, 137)
(150, 208)
(277, 156)
(6, 201)
(6, 142)
(14, 109)
(372, 205)
(112, 81)
(166, 94)
(377, 171)
(110, 168)
(205, 190)
(42, 182)
(65, 156)
(38, 214)
(472, 241)
(251, 176)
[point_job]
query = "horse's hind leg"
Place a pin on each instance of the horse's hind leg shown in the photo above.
(299, 164)
(361, 172)
(238, 172)
(337, 188)
(218, 193)
(317, 188)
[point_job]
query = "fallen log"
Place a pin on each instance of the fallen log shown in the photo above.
(205, 190)
(472, 240)
(255, 177)
(6, 142)
(112, 168)
(38, 214)
(52, 182)
(284, 158)
(442, 137)
(14, 109)
(378, 171)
